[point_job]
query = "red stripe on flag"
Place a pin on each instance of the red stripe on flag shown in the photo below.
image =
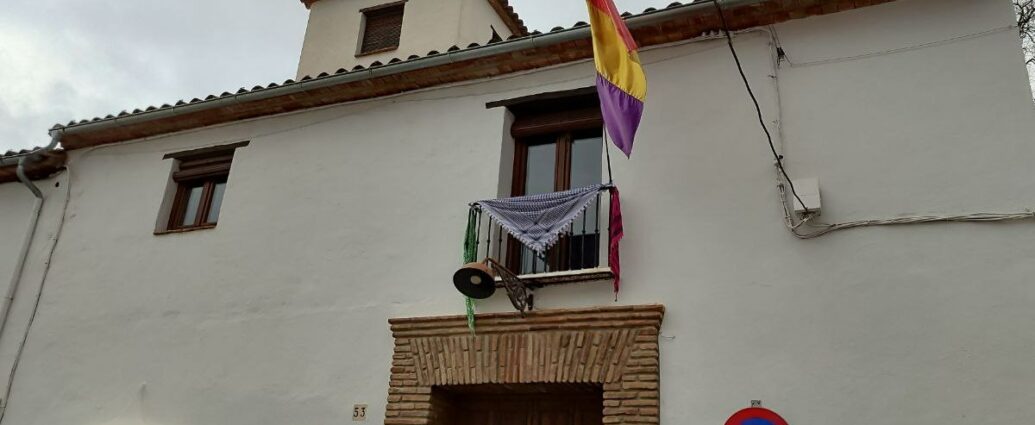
(608, 7)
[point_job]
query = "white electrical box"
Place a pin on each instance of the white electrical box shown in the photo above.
(808, 191)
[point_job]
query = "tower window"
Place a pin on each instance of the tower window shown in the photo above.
(382, 27)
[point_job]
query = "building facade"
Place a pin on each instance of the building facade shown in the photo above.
(285, 254)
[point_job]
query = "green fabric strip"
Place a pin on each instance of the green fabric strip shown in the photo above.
(470, 256)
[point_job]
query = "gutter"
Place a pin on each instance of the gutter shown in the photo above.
(528, 42)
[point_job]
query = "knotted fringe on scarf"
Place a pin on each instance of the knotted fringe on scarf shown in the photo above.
(470, 255)
(539, 220)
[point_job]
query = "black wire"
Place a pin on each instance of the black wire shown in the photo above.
(758, 109)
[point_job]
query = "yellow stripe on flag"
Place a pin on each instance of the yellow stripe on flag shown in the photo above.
(614, 61)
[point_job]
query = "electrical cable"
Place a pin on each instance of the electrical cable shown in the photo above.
(820, 229)
(829, 61)
(754, 100)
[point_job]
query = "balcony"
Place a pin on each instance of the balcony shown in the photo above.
(578, 255)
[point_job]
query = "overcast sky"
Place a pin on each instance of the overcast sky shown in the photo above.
(76, 59)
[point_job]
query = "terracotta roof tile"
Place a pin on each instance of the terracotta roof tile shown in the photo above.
(19, 152)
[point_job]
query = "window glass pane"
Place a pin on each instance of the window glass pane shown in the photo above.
(586, 170)
(539, 170)
(217, 201)
(539, 178)
(193, 202)
(585, 162)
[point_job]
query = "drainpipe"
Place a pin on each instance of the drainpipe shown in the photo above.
(37, 209)
(12, 289)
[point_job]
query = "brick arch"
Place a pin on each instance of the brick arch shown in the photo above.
(615, 347)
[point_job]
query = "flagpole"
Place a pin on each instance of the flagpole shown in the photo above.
(607, 152)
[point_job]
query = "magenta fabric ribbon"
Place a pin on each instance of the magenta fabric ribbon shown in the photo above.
(616, 233)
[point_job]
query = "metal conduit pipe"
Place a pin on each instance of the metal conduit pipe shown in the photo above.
(37, 209)
(528, 42)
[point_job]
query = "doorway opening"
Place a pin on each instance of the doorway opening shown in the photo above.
(518, 404)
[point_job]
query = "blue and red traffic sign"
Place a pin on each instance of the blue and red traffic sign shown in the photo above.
(756, 416)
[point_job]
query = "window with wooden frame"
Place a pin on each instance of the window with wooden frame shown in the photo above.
(558, 146)
(382, 28)
(200, 180)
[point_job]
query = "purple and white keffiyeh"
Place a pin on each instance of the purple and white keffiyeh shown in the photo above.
(538, 220)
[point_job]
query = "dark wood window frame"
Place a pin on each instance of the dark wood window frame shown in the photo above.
(201, 168)
(545, 119)
(382, 28)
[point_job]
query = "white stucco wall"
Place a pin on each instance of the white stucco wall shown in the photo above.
(333, 33)
(15, 212)
(337, 219)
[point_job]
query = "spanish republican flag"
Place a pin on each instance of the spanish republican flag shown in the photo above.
(620, 80)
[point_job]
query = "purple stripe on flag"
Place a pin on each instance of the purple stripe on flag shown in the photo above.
(621, 112)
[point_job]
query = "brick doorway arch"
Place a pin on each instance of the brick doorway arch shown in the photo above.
(615, 348)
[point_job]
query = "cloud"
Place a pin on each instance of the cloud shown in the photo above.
(70, 59)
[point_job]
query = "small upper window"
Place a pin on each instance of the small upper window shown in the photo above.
(200, 184)
(382, 27)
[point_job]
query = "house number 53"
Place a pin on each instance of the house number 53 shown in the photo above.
(359, 412)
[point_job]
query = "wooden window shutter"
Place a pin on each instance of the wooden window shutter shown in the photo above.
(382, 29)
(552, 115)
(552, 122)
(204, 162)
(204, 166)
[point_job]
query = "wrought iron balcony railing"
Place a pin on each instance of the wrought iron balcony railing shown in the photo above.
(579, 254)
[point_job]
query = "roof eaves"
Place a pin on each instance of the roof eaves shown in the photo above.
(18, 153)
(45, 165)
(432, 58)
(535, 41)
